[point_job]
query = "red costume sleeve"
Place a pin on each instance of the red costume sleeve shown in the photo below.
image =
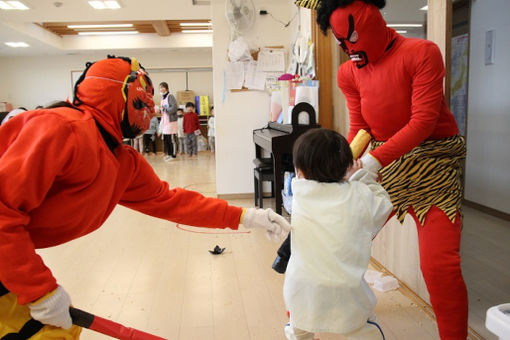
(351, 93)
(426, 67)
(427, 97)
(35, 156)
(149, 195)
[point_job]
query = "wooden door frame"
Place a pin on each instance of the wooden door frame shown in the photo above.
(439, 30)
(323, 69)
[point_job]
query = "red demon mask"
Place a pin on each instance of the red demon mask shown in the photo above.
(361, 31)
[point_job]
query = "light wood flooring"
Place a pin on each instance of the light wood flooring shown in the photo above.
(146, 273)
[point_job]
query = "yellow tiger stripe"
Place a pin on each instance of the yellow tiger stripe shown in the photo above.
(429, 175)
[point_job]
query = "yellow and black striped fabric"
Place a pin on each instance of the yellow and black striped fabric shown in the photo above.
(17, 323)
(311, 4)
(429, 175)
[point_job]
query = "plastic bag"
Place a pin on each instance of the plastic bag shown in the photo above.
(201, 143)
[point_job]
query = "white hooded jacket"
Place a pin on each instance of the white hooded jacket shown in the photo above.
(333, 225)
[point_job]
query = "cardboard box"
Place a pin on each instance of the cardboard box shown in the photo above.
(185, 96)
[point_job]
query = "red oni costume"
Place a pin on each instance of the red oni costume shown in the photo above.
(63, 171)
(394, 90)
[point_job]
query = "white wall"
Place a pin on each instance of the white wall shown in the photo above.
(242, 112)
(488, 123)
(32, 81)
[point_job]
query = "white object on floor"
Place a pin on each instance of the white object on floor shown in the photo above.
(386, 283)
(372, 275)
(498, 321)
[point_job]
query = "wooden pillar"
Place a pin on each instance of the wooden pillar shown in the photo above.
(439, 30)
(323, 70)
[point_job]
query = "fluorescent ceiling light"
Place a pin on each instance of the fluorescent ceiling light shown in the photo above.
(13, 5)
(17, 5)
(109, 33)
(101, 26)
(195, 24)
(17, 44)
(196, 31)
(401, 31)
(108, 4)
(97, 4)
(425, 8)
(112, 4)
(404, 25)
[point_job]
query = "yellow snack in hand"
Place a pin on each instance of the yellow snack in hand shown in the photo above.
(359, 143)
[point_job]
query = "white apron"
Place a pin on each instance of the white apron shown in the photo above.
(333, 226)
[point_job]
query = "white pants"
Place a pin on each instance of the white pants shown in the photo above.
(138, 143)
(370, 331)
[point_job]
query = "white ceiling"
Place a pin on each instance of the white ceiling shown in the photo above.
(18, 25)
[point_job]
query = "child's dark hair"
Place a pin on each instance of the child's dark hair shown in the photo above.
(322, 155)
(327, 7)
(164, 84)
(179, 109)
(190, 104)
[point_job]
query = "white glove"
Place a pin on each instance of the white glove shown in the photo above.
(370, 163)
(53, 309)
(276, 226)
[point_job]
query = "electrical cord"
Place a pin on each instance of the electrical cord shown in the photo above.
(262, 12)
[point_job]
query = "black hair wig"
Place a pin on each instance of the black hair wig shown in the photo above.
(327, 7)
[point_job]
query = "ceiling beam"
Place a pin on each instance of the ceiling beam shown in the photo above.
(161, 28)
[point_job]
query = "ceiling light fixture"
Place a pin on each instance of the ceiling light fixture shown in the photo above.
(109, 33)
(7, 5)
(101, 26)
(16, 44)
(195, 24)
(102, 4)
(404, 25)
(196, 31)
(112, 4)
(425, 8)
(401, 31)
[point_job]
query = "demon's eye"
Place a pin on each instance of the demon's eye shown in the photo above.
(354, 37)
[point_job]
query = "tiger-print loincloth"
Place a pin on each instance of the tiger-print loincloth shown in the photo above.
(311, 4)
(430, 174)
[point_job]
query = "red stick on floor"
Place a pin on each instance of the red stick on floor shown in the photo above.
(108, 327)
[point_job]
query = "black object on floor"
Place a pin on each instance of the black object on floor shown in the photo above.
(217, 250)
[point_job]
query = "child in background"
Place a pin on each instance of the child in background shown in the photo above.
(211, 130)
(338, 207)
(138, 143)
(149, 137)
(180, 131)
(191, 127)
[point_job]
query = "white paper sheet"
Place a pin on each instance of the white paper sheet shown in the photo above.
(234, 75)
(254, 79)
(271, 60)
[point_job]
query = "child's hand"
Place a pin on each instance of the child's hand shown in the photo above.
(356, 165)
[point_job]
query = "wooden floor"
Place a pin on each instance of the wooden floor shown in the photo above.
(485, 253)
(148, 274)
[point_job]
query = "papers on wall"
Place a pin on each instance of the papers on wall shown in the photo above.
(254, 79)
(234, 75)
(271, 60)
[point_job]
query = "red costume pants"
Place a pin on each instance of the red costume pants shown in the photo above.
(439, 242)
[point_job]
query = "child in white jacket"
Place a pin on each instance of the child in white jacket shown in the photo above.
(338, 207)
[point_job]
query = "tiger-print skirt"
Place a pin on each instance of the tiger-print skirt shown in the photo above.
(430, 174)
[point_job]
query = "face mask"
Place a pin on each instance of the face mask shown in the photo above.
(137, 91)
(361, 31)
